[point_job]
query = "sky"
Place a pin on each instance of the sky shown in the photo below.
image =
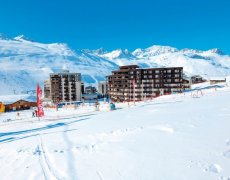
(113, 24)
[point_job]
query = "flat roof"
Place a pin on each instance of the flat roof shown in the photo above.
(158, 68)
(64, 73)
(126, 66)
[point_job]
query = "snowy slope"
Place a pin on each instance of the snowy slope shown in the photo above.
(191, 141)
(206, 63)
(24, 62)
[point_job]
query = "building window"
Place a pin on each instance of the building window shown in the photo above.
(177, 70)
(177, 75)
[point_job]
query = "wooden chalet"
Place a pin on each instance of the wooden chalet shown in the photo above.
(19, 105)
(216, 80)
(18, 102)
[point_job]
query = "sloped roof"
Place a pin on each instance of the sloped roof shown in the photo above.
(217, 78)
(9, 99)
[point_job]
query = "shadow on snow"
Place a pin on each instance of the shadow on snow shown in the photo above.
(14, 134)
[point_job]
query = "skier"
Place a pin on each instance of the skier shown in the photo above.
(33, 114)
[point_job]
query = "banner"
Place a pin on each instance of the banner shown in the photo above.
(39, 102)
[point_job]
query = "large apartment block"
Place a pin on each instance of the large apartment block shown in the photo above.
(64, 87)
(131, 83)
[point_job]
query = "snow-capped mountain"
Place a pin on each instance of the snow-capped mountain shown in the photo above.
(208, 63)
(118, 54)
(153, 51)
(24, 63)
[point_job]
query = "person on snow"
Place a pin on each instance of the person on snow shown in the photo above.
(112, 106)
(33, 114)
(97, 106)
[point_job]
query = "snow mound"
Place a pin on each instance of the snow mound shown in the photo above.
(215, 168)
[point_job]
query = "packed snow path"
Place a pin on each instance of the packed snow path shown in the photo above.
(174, 137)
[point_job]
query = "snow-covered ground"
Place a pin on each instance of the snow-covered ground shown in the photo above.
(175, 137)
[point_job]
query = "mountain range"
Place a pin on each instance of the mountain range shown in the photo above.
(24, 62)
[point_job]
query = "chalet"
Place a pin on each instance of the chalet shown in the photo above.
(216, 80)
(20, 105)
(18, 102)
(197, 79)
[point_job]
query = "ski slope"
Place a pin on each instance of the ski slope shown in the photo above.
(24, 63)
(174, 137)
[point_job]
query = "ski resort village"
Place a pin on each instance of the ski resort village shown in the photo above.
(158, 113)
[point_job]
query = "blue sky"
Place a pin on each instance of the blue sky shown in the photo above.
(112, 24)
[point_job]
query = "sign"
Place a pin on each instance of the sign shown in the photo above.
(39, 102)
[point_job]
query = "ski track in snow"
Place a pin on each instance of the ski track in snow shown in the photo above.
(47, 168)
(70, 157)
(98, 140)
(100, 175)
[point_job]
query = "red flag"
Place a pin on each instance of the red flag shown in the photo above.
(39, 101)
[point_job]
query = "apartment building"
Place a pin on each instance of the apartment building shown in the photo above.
(47, 87)
(102, 87)
(63, 87)
(131, 83)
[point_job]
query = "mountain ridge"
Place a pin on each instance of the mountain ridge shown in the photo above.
(24, 62)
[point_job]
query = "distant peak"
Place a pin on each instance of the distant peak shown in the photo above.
(187, 50)
(154, 51)
(99, 51)
(126, 51)
(21, 38)
(161, 49)
(217, 51)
